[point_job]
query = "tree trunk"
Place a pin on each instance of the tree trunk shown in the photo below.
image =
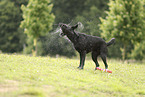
(34, 50)
(124, 53)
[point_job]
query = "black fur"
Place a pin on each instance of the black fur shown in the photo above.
(86, 43)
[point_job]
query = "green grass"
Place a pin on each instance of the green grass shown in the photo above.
(25, 76)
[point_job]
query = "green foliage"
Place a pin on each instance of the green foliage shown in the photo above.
(124, 21)
(24, 76)
(66, 10)
(95, 9)
(18, 3)
(90, 20)
(139, 51)
(38, 19)
(10, 34)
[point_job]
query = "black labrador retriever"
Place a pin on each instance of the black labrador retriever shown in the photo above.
(86, 43)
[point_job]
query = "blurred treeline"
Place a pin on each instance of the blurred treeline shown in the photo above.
(13, 40)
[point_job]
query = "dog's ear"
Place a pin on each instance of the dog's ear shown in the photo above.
(74, 27)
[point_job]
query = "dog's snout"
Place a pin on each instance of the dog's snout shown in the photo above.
(60, 24)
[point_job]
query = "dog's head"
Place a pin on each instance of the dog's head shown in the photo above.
(66, 29)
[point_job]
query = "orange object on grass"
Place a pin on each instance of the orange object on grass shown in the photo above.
(106, 70)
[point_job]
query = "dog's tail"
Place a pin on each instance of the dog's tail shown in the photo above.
(112, 41)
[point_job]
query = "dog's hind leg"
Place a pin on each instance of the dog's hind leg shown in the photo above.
(94, 58)
(82, 59)
(103, 56)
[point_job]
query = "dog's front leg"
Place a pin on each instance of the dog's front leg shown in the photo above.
(82, 59)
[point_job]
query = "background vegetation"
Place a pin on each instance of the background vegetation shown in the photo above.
(129, 33)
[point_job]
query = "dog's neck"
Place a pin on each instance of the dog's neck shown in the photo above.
(72, 37)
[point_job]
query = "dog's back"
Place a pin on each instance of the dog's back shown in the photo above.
(88, 42)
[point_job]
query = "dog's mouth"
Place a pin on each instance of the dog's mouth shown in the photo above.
(61, 34)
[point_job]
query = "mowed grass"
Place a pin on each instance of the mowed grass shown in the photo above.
(25, 76)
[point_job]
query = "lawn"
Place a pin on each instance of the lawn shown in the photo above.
(25, 76)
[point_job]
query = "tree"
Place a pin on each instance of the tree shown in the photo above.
(139, 51)
(18, 3)
(125, 22)
(66, 10)
(10, 34)
(38, 20)
(90, 19)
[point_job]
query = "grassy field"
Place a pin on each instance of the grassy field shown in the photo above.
(25, 76)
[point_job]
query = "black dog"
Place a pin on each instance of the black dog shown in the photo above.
(86, 43)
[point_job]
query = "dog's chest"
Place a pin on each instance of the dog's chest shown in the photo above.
(83, 45)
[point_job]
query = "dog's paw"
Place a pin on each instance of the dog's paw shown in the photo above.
(96, 68)
(80, 68)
